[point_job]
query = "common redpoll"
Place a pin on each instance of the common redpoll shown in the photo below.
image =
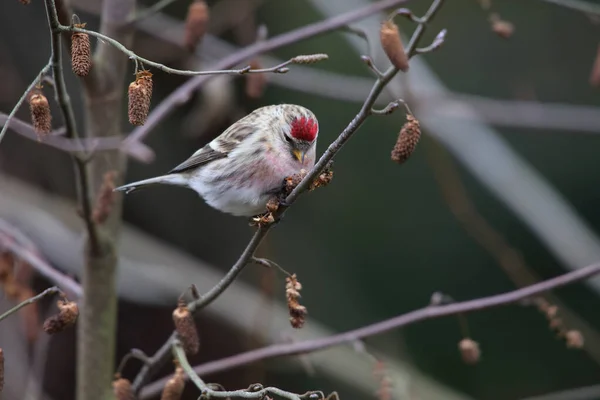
(240, 170)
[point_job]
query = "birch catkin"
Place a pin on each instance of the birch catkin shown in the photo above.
(81, 52)
(40, 113)
(140, 95)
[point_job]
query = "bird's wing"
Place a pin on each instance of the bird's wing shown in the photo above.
(217, 149)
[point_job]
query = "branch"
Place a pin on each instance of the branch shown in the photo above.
(277, 69)
(426, 313)
(153, 9)
(138, 151)
(32, 258)
(183, 93)
(163, 353)
(161, 356)
(47, 292)
(256, 391)
(585, 7)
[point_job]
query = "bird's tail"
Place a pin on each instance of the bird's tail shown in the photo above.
(170, 179)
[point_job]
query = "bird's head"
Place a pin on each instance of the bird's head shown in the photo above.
(301, 135)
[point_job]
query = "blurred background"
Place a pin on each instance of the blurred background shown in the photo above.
(501, 192)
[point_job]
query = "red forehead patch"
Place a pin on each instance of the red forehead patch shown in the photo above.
(304, 129)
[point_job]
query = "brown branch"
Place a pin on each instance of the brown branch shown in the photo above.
(138, 151)
(426, 313)
(162, 355)
(184, 92)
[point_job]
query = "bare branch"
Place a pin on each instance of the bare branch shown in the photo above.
(256, 391)
(426, 313)
(47, 292)
(138, 151)
(15, 242)
(278, 69)
(586, 7)
(153, 9)
(436, 44)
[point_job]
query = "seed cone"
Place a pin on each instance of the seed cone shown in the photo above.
(469, 351)
(292, 293)
(122, 389)
(392, 45)
(140, 95)
(186, 329)
(40, 113)
(196, 24)
(106, 198)
(174, 386)
(69, 311)
(500, 27)
(407, 140)
(574, 339)
(81, 52)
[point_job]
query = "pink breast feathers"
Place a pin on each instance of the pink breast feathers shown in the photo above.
(304, 129)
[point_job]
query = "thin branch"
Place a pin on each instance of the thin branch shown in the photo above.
(153, 9)
(64, 101)
(47, 292)
(277, 69)
(163, 353)
(183, 93)
(138, 151)
(43, 72)
(15, 242)
(256, 391)
(363, 35)
(585, 7)
(422, 314)
(161, 356)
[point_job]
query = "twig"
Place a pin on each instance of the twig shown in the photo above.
(138, 151)
(422, 314)
(256, 391)
(43, 72)
(133, 354)
(153, 9)
(162, 354)
(183, 92)
(585, 7)
(277, 69)
(47, 292)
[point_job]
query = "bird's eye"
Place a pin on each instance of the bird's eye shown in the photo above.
(288, 139)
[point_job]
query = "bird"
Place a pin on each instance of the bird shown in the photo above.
(245, 166)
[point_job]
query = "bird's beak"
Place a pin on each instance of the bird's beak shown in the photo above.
(299, 154)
